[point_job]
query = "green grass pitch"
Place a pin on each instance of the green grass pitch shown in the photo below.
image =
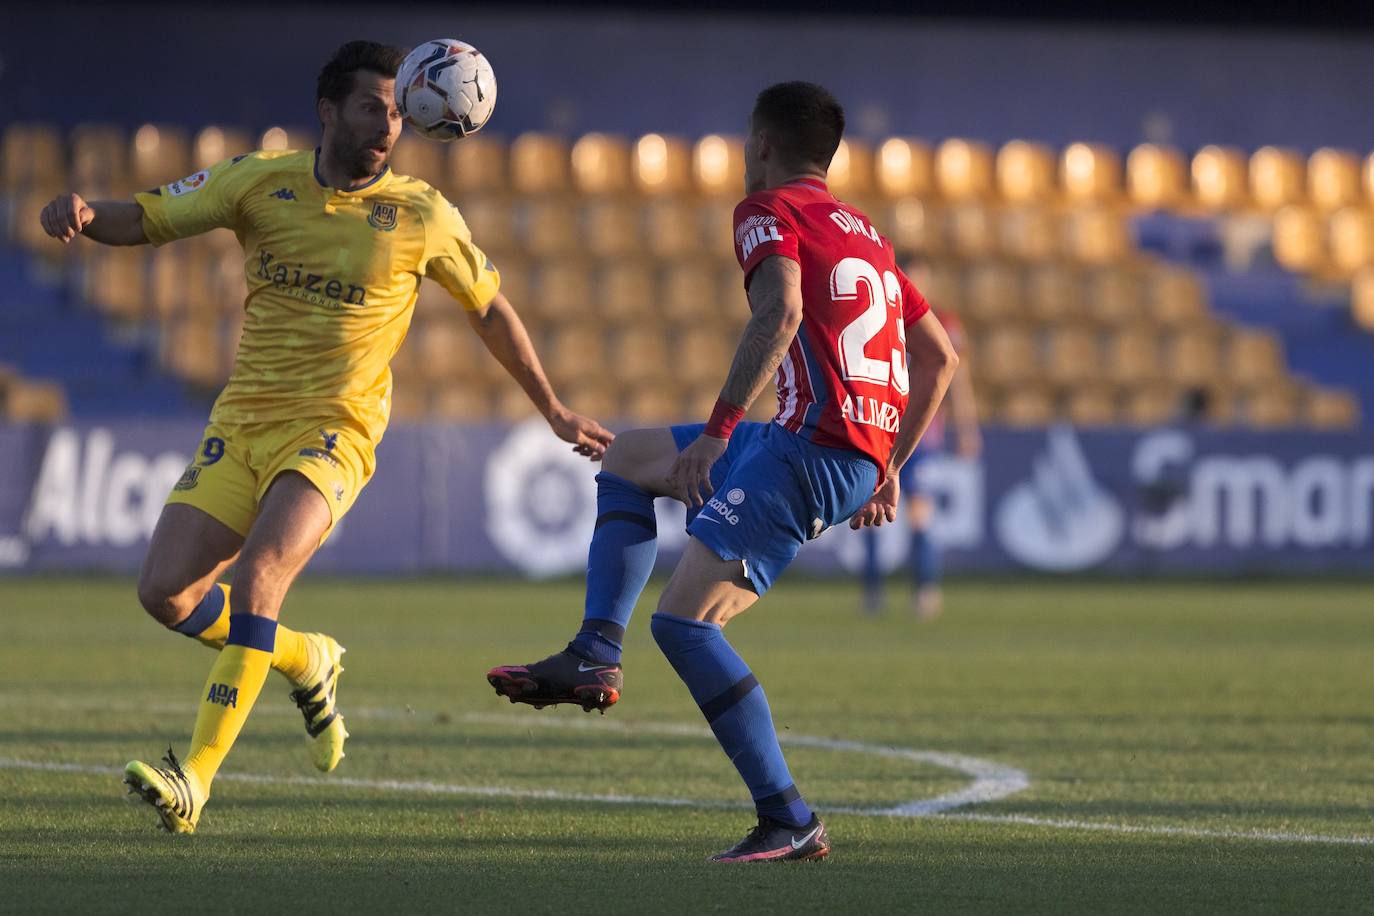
(1187, 747)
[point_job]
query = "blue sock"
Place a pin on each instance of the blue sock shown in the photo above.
(204, 614)
(736, 709)
(924, 558)
(624, 547)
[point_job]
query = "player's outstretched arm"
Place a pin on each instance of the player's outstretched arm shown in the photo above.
(931, 367)
(505, 337)
(110, 222)
(776, 300)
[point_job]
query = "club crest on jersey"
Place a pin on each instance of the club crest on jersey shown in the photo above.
(189, 479)
(188, 184)
(383, 217)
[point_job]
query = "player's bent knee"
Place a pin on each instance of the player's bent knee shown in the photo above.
(165, 603)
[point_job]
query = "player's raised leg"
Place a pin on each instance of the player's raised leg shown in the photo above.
(623, 549)
(292, 520)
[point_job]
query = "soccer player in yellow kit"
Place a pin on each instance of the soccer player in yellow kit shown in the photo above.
(335, 247)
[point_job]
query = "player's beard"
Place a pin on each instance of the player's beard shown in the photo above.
(357, 156)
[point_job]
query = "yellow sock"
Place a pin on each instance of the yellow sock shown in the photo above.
(210, 623)
(230, 691)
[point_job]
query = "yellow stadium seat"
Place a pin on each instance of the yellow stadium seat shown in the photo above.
(1072, 355)
(1278, 177)
(512, 405)
(699, 401)
(851, 170)
(1090, 173)
(915, 225)
(443, 349)
(292, 138)
(992, 293)
(100, 160)
(940, 283)
(1193, 358)
(601, 164)
(656, 404)
(477, 164)
(550, 226)
(1025, 171)
(420, 158)
(1027, 405)
(35, 401)
(1152, 405)
(661, 165)
(192, 348)
(469, 402)
(32, 157)
(1054, 292)
(1333, 179)
(716, 220)
(594, 398)
(1095, 235)
(1028, 233)
(180, 280)
(159, 154)
(1175, 297)
(613, 227)
(625, 291)
(538, 164)
(1006, 355)
(516, 277)
(1273, 407)
(116, 281)
(718, 166)
(972, 229)
(964, 170)
(1091, 405)
(1219, 178)
(1299, 239)
(1156, 177)
(562, 291)
(1362, 299)
(687, 292)
(904, 167)
(491, 220)
(216, 143)
(1133, 356)
(1332, 409)
(1254, 358)
(1113, 295)
(703, 356)
(577, 352)
(732, 302)
(671, 228)
(1352, 239)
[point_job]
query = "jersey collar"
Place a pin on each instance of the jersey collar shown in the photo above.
(816, 183)
(362, 190)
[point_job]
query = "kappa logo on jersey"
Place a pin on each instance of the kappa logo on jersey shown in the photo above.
(755, 231)
(283, 194)
(295, 281)
(188, 184)
(383, 217)
(224, 695)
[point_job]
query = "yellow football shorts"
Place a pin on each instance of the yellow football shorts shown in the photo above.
(237, 462)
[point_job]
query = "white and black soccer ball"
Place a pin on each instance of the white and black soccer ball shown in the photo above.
(446, 89)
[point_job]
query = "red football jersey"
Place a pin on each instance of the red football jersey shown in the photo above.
(843, 382)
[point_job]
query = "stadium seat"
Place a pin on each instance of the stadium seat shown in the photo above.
(516, 279)
(1299, 239)
(904, 168)
(1053, 292)
(216, 143)
(613, 227)
(1090, 173)
(640, 354)
(915, 226)
(116, 280)
(716, 222)
(99, 160)
(1026, 405)
(687, 293)
(964, 170)
(1351, 240)
(1331, 409)
(1193, 358)
(1362, 299)
(1278, 177)
(478, 164)
(703, 357)
(1091, 405)
(562, 291)
(1028, 232)
(577, 352)
(661, 165)
(1133, 356)
(1095, 235)
(193, 349)
(1333, 179)
(491, 219)
(293, 138)
(538, 164)
(655, 405)
(1113, 295)
(1155, 177)
(940, 283)
(420, 158)
(671, 228)
(159, 154)
(1272, 407)
(549, 226)
(34, 401)
(463, 403)
(718, 166)
(591, 397)
(1072, 355)
(32, 158)
(409, 404)
(1025, 172)
(851, 171)
(992, 293)
(180, 281)
(625, 291)
(1254, 358)
(972, 229)
(732, 302)
(443, 349)
(698, 402)
(1151, 405)
(601, 164)
(1219, 178)
(1006, 356)
(1174, 297)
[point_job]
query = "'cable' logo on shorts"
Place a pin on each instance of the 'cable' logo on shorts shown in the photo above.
(224, 695)
(724, 510)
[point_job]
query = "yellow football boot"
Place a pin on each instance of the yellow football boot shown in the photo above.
(177, 797)
(316, 696)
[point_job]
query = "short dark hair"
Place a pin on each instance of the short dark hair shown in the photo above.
(336, 79)
(804, 121)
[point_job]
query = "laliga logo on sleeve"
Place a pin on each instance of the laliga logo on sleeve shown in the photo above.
(1061, 520)
(188, 184)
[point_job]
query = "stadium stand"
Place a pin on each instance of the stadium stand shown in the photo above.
(1094, 289)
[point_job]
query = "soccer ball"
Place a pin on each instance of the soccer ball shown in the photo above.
(445, 89)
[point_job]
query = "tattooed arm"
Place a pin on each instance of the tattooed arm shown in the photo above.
(776, 300)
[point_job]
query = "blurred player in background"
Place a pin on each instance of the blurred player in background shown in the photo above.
(335, 247)
(923, 554)
(834, 318)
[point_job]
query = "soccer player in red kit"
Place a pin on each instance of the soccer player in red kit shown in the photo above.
(861, 366)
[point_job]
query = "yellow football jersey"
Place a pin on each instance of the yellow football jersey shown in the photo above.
(332, 279)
